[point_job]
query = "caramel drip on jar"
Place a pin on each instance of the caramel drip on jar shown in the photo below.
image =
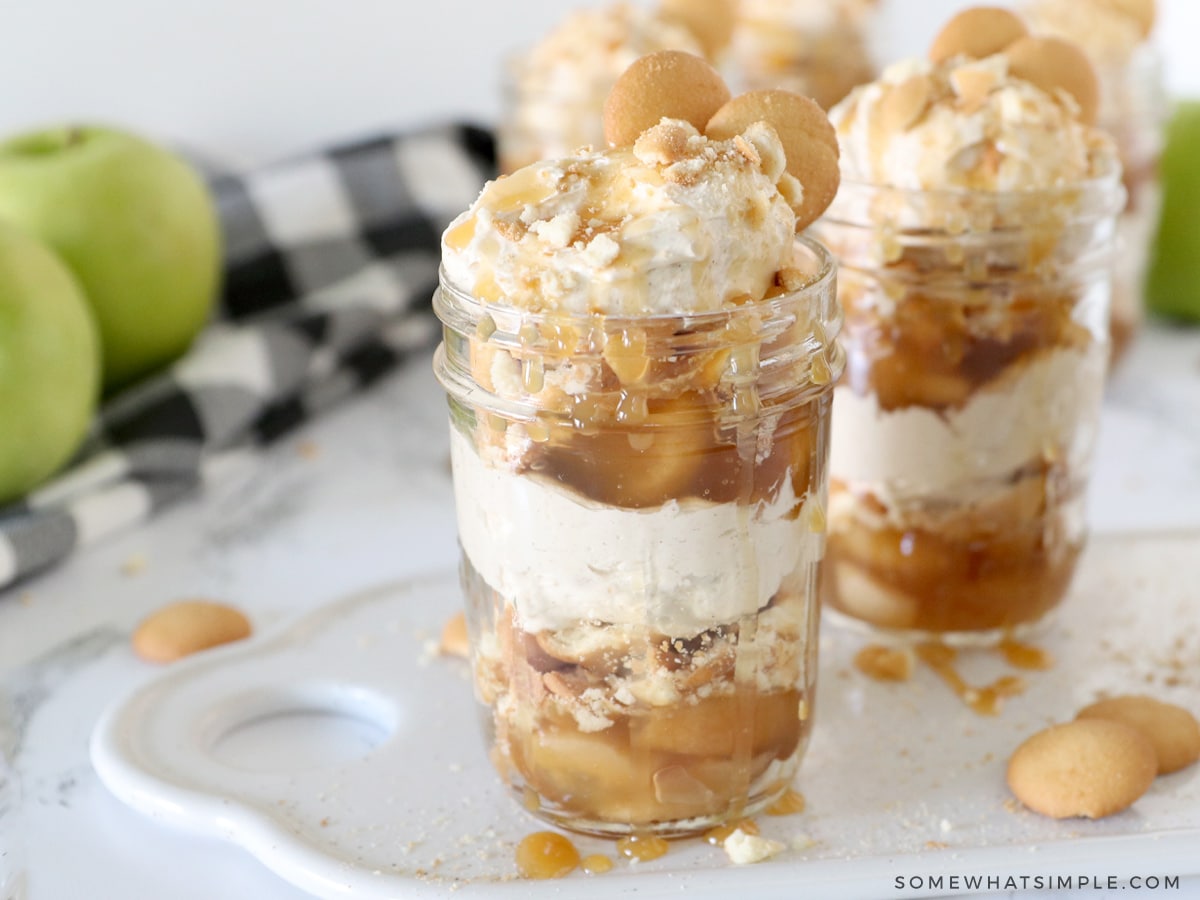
(530, 799)
(789, 804)
(642, 848)
(716, 836)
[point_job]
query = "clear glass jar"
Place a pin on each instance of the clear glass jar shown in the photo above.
(640, 505)
(817, 48)
(976, 337)
(1134, 111)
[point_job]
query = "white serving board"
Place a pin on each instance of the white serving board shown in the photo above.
(359, 771)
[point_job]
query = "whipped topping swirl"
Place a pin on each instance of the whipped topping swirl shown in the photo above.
(676, 224)
(965, 124)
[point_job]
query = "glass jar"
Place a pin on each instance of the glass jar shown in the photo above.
(817, 48)
(1133, 110)
(976, 337)
(640, 506)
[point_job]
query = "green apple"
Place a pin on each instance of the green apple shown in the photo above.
(1173, 283)
(49, 363)
(134, 223)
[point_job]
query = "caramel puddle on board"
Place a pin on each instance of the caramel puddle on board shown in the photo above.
(885, 663)
(1025, 656)
(546, 854)
(642, 849)
(985, 700)
(596, 864)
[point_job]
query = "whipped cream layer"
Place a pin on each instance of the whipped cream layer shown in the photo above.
(978, 128)
(677, 224)
(1043, 409)
(561, 85)
(681, 568)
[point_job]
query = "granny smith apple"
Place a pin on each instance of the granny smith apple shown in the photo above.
(1173, 284)
(133, 222)
(49, 363)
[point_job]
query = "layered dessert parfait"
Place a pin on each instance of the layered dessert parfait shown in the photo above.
(974, 229)
(1116, 35)
(556, 92)
(815, 47)
(639, 356)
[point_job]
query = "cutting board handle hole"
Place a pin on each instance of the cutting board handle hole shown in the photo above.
(299, 728)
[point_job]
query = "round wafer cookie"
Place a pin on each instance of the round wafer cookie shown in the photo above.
(186, 627)
(977, 32)
(809, 142)
(1051, 63)
(1172, 730)
(668, 83)
(1088, 767)
(903, 104)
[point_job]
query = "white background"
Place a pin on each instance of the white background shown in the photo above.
(248, 80)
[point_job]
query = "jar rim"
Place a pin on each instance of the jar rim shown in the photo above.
(1107, 181)
(958, 211)
(814, 284)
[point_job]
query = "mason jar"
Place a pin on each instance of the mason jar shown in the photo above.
(976, 335)
(817, 49)
(1133, 110)
(641, 509)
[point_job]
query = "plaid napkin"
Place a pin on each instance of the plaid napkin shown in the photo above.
(330, 264)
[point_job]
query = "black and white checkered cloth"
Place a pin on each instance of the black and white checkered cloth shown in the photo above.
(330, 264)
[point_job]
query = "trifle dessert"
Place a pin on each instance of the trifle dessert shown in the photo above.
(555, 92)
(974, 228)
(639, 356)
(815, 47)
(1116, 35)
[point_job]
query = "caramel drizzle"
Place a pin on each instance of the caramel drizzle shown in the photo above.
(985, 700)
(546, 854)
(642, 848)
(1025, 656)
(716, 836)
(790, 803)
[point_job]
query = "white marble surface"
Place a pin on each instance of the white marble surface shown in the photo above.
(362, 497)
